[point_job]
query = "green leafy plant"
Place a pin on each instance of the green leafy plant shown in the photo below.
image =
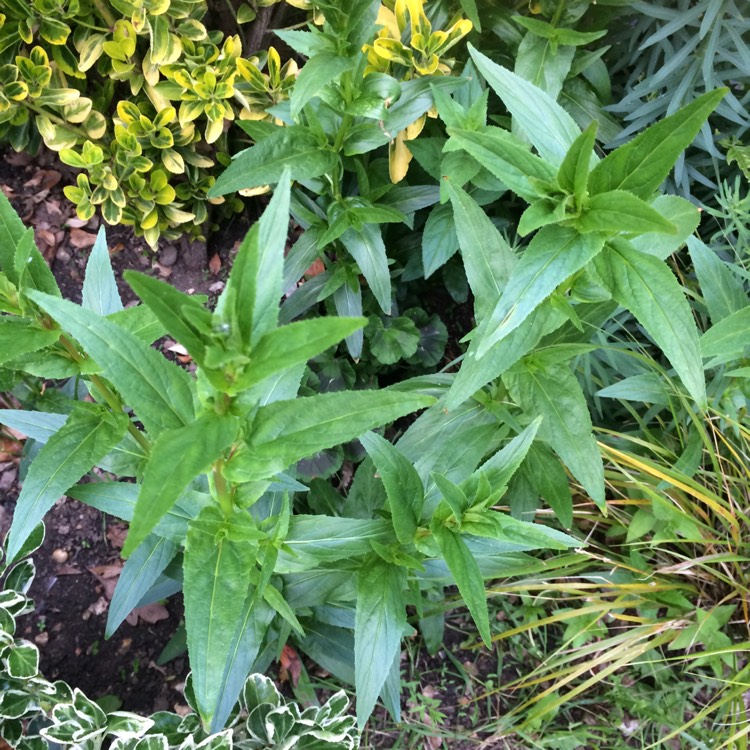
(601, 231)
(36, 713)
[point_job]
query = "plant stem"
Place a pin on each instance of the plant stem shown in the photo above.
(110, 397)
(55, 118)
(223, 495)
(104, 12)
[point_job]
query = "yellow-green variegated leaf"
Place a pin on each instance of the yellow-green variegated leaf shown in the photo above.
(57, 97)
(78, 110)
(55, 137)
(95, 125)
(90, 51)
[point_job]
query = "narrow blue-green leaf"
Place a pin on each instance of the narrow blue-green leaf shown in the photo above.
(548, 126)
(100, 293)
(379, 624)
(37, 425)
(555, 394)
(119, 498)
(89, 434)
(176, 458)
(722, 291)
(348, 302)
(402, 485)
(367, 248)
(160, 392)
(554, 254)
(439, 239)
(488, 259)
(241, 654)
(138, 574)
(648, 288)
(219, 561)
(468, 577)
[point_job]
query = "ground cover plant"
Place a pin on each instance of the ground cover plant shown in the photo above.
(500, 364)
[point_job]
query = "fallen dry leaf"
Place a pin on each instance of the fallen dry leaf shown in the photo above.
(291, 666)
(99, 607)
(108, 576)
(18, 159)
(75, 223)
(316, 268)
(80, 239)
(215, 264)
(149, 613)
(116, 534)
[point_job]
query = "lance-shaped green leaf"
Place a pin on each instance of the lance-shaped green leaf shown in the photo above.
(554, 254)
(488, 259)
(313, 540)
(541, 213)
(621, 211)
(729, 337)
(508, 158)
(286, 431)
(20, 336)
(502, 527)
(168, 305)
(573, 174)
(641, 165)
(89, 433)
(648, 288)
(254, 286)
(11, 232)
(722, 290)
(37, 425)
(402, 485)
(293, 147)
(680, 212)
(138, 574)
(160, 392)
(468, 577)
(548, 126)
(453, 496)
(554, 393)
(319, 71)
(379, 625)
(500, 468)
(32, 269)
(219, 562)
(477, 371)
(100, 293)
(367, 248)
(177, 457)
(119, 498)
(296, 343)
(242, 652)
